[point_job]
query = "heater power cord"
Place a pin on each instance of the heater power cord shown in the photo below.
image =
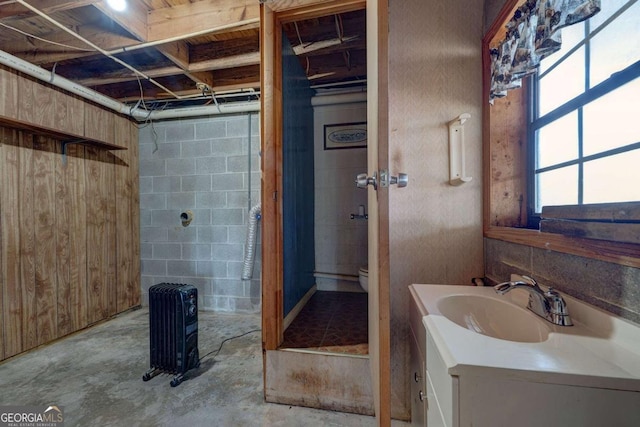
(224, 341)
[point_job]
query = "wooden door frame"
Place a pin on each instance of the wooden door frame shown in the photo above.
(273, 14)
(378, 119)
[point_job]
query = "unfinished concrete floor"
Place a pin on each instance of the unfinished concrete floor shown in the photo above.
(96, 377)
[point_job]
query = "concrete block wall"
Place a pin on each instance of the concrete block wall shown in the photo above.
(611, 287)
(201, 165)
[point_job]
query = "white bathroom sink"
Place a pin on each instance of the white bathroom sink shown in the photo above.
(493, 317)
(482, 333)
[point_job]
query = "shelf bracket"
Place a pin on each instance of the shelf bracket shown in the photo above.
(64, 150)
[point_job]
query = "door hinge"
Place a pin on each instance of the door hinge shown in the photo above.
(275, 195)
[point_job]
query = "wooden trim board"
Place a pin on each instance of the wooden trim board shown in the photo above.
(315, 380)
(298, 307)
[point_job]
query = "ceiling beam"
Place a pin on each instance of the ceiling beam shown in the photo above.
(320, 77)
(178, 53)
(239, 60)
(329, 46)
(38, 52)
(154, 93)
(295, 10)
(199, 17)
(134, 19)
(47, 6)
(195, 69)
(123, 76)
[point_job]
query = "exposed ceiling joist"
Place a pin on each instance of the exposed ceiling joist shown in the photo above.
(178, 53)
(48, 6)
(134, 20)
(175, 44)
(201, 16)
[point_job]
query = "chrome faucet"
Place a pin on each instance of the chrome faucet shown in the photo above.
(549, 305)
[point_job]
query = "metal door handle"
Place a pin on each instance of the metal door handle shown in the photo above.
(386, 180)
(362, 180)
(401, 180)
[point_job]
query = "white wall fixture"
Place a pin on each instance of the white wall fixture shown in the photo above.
(457, 173)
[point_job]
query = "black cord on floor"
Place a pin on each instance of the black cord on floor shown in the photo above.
(224, 341)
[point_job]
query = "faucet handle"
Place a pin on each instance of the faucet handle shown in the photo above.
(503, 288)
(558, 308)
(531, 281)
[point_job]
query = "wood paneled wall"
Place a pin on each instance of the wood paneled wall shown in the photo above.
(69, 228)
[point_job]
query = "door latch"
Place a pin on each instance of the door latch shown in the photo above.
(386, 180)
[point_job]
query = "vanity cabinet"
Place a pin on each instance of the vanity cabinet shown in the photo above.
(442, 390)
(576, 377)
(418, 368)
(489, 400)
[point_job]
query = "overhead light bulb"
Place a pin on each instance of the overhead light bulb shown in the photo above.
(117, 5)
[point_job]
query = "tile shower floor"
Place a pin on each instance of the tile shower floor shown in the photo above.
(335, 322)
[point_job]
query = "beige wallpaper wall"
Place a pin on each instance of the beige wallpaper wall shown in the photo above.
(435, 75)
(491, 11)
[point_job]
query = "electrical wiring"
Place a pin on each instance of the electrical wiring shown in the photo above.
(147, 121)
(224, 341)
(82, 49)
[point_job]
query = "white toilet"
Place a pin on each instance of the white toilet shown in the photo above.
(363, 278)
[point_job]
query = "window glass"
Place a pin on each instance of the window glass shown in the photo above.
(571, 36)
(613, 178)
(613, 120)
(563, 83)
(607, 9)
(615, 47)
(597, 131)
(558, 141)
(561, 187)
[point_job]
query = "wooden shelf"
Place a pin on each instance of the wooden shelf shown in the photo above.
(617, 252)
(61, 136)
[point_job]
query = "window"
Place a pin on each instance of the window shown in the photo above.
(585, 124)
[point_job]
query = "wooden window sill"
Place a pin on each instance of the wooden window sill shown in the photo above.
(619, 253)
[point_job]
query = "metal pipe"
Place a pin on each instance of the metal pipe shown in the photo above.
(59, 81)
(183, 36)
(139, 114)
(207, 110)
